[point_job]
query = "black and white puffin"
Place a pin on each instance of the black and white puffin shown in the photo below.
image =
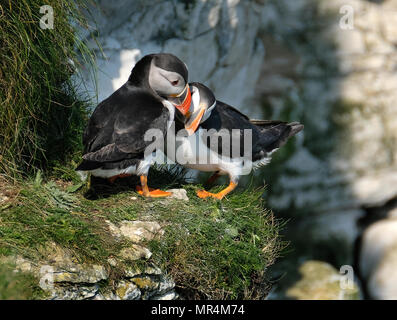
(114, 142)
(209, 118)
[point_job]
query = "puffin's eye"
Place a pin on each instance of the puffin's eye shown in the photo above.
(175, 83)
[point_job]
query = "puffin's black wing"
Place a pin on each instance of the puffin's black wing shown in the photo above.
(100, 125)
(266, 134)
(117, 128)
(224, 117)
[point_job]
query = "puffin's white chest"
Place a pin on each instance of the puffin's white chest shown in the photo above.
(193, 152)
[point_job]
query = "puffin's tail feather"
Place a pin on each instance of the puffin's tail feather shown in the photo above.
(295, 128)
(290, 130)
(276, 133)
(84, 167)
(266, 123)
(87, 165)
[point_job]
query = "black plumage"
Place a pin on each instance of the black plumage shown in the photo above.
(114, 137)
(115, 141)
(267, 135)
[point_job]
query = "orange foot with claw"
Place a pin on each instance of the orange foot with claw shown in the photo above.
(153, 193)
(145, 191)
(205, 194)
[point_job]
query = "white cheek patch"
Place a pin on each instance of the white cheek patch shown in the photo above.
(156, 80)
(159, 80)
(195, 105)
(171, 110)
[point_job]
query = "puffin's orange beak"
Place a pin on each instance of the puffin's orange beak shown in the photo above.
(185, 105)
(192, 125)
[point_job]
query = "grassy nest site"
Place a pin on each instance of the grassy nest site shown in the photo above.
(212, 249)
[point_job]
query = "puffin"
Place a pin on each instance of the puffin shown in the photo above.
(114, 139)
(206, 121)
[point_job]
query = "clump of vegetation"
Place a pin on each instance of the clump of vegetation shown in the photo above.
(218, 250)
(46, 212)
(212, 249)
(41, 116)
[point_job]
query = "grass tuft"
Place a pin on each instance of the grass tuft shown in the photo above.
(218, 250)
(41, 116)
(44, 213)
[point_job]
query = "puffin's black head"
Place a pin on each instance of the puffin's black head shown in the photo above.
(166, 75)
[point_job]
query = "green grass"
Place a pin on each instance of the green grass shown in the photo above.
(17, 285)
(218, 249)
(43, 212)
(41, 116)
(213, 249)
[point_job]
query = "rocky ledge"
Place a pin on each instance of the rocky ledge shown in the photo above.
(63, 277)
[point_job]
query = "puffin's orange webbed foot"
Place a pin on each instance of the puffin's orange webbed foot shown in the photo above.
(205, 194)
(145, 191)
(153, 193)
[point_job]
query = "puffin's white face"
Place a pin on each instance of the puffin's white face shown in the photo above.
(166, 83)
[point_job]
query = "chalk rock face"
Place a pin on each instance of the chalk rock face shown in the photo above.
(179, 194)
(378, 259)
(336, 73)
(218, 40)
(333, 68)
(321, 281)
(137, 231)
(63, 277)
